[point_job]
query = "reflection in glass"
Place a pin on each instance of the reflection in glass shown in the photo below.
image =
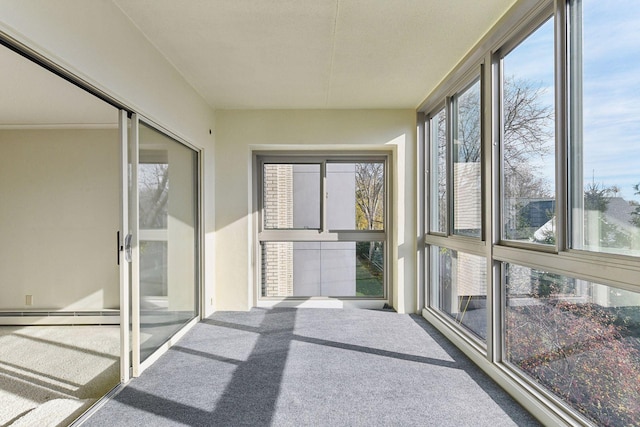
(579, 339)
(459, 288)
(355, 196)
(168, 238)
(605, 137)
(528, 160)
(291, 196)
(438, 141)
(339, 269)
(467, 171)
(153, 185)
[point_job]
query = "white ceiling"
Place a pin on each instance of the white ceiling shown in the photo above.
(285, 54)
(314, 53)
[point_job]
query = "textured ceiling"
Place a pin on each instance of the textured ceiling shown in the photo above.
(275, 54)
(314, 53)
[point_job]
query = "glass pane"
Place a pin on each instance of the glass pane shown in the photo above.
(153, 270)
(291, 196)
(153, 184)
(168, 237)
(438, 141)
(355, 196)
(339, 269)
(528, 153)
(605, 143)
(459, 288)
(580, 340)
(467, 172)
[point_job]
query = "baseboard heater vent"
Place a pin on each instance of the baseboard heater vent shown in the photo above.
(41, 317)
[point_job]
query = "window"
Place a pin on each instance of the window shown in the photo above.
(458, 278)
(438, 160)
(528, 145)
(460, 288)
(323, 226)
(605, 130)
(291, 196)
(168, 237)
(577, 338)
(467, 166)
(547, 285)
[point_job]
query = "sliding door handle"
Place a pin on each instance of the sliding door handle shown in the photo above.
(127, 247)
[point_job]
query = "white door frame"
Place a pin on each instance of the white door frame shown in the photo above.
(125, 344)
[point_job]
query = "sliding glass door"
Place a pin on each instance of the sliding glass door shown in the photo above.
(162, 244)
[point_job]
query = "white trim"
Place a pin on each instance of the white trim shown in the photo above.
(421, 218)
(134, 227)
(125, 317)
(59, 320)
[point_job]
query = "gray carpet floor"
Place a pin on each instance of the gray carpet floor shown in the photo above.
(312, 367)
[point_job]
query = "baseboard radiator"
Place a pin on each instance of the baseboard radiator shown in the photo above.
(59, 317)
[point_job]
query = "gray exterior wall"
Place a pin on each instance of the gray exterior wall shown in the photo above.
(309, 268)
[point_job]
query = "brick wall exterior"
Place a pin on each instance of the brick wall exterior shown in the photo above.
(277, 257)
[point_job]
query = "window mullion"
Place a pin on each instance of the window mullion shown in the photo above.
(561, 129)
(323, 197)
(449, 154)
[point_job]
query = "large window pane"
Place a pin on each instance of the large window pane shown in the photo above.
(167, 187)
(459, 288)
(355, 196)
(438, 167)
(528, 161)
(339, 269)
(291, 196)
(580, 340)
(335, 262)
(605, 150)
(467, 170)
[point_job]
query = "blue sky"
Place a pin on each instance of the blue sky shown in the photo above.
(612, 93)
(611, 102)
(533, 60)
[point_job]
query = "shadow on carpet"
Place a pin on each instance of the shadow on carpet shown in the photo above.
(293, 367)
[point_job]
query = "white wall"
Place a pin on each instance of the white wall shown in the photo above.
(240, 132)
(97, 42)
(59, 213)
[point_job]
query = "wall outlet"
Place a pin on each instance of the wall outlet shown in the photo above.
(28, 300)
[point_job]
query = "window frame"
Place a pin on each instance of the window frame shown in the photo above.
(431, 164)
(447, 103)
(498, 95)
(451, 133)
(476, 74)
(474, 339)
(323, 234)
(621, 271)
(573, 39)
